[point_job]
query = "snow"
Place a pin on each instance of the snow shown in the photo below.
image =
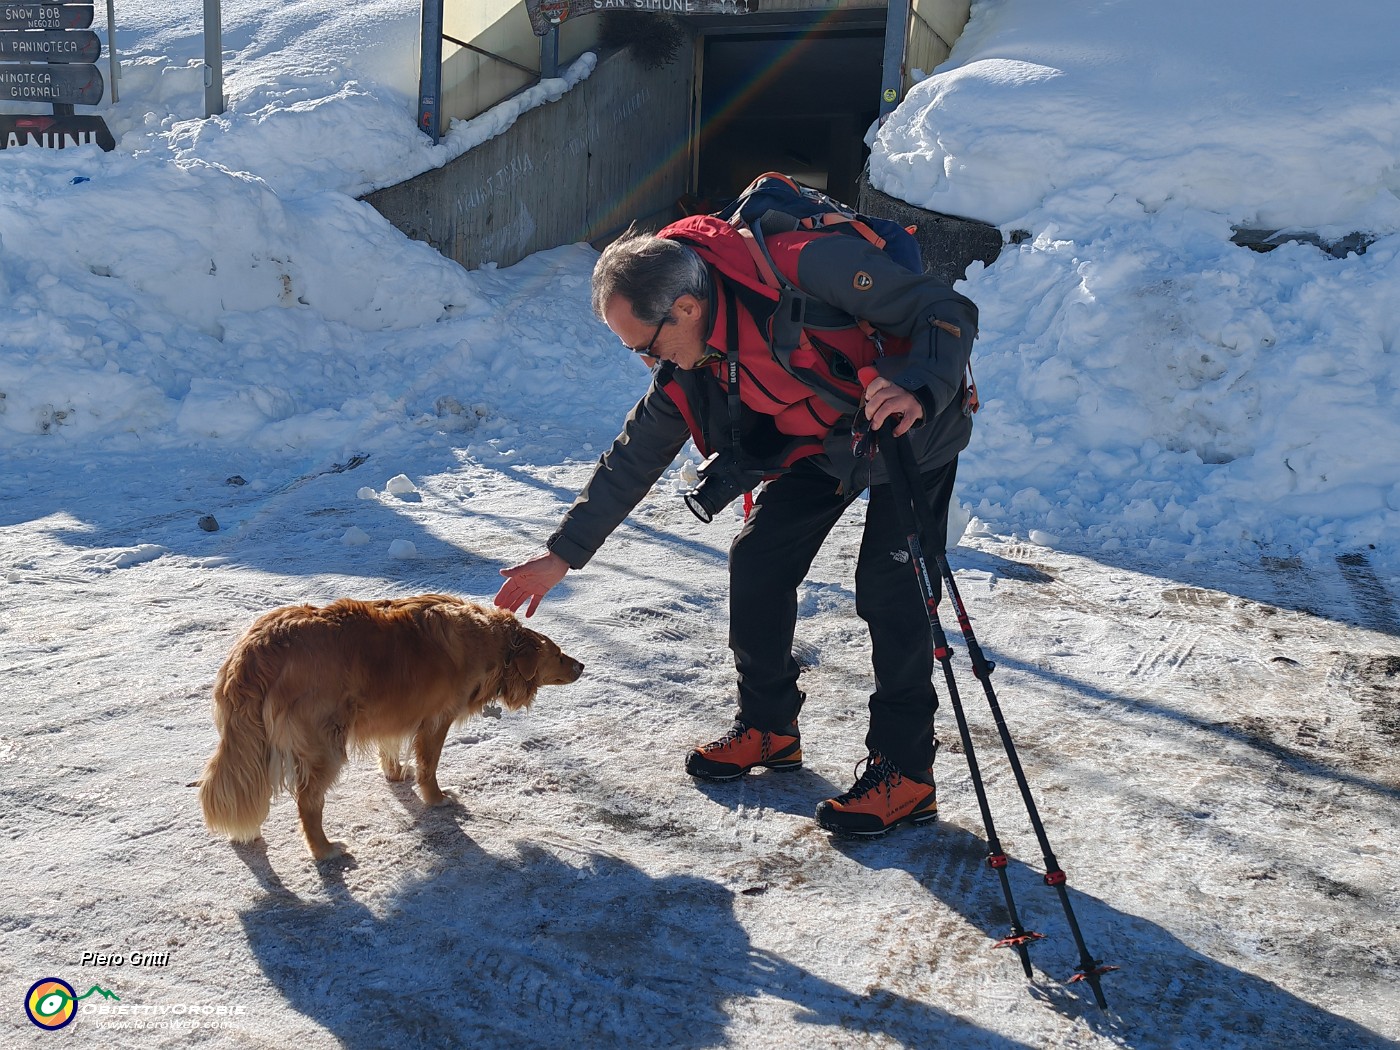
(229, 385)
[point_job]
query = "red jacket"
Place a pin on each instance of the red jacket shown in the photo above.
(818, 386)
(926, 328)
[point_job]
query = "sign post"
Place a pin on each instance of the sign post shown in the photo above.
(113, 66)
(213, 59)
(48, 53)
(892, 71)
(430, 71)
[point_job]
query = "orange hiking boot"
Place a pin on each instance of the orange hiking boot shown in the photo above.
(743, 748)
(881, 798)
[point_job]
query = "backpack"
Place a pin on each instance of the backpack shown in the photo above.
(775, 204)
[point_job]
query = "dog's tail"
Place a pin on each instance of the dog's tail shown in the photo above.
(237, 787)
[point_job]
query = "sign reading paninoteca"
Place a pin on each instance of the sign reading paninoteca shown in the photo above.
(78, 46)
(79, 84)
(45, 16)
(54, 132)
(546, 14)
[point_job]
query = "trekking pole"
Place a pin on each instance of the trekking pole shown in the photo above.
(909, 507)
(1090, 969)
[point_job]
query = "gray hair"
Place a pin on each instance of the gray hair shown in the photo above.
(651, 273)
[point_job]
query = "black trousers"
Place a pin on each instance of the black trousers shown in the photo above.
(768, 561)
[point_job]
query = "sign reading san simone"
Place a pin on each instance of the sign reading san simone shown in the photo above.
(545, 14)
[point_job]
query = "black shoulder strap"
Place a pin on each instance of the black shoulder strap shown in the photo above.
(731, 366)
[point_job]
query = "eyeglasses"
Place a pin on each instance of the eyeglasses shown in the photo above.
(645, 351)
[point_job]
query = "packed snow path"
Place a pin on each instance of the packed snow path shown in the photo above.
(1211, 752)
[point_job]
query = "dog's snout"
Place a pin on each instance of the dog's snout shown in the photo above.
(566, 669)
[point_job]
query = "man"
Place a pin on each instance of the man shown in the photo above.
(678, 299)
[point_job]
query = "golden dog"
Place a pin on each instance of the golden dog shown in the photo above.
(306, 683)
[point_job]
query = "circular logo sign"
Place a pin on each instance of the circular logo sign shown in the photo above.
(890, 94)
(51, 1003)
(555, 10)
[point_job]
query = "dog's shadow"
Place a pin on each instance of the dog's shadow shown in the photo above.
(539, 944)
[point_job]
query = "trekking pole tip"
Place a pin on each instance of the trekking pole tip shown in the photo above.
(1092, 975)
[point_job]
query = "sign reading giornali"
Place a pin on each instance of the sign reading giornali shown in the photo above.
(54, 132)
(45, 16)
(79, 46)
(76, 84)
(546, 14)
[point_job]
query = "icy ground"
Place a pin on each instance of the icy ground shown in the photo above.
(1211, 751)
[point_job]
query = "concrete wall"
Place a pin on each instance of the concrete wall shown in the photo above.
(611, 149)
(948, 243)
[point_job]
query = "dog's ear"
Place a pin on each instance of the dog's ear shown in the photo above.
(523, 655)
(526, 650)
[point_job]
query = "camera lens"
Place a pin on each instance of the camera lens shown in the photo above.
(722, 481)
(697, 507)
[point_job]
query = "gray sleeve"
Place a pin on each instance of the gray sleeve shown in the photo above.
(654, 432)
(855, 276)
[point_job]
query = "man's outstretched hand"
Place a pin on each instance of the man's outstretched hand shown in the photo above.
(530, 581)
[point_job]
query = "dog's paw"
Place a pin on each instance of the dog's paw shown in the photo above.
(394, 770)
(330, 851)
(434, 795)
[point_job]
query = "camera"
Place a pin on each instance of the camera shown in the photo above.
(722, 481)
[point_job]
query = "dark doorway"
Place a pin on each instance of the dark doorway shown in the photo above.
(796, 96)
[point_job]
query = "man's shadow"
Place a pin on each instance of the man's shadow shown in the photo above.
(527, 946)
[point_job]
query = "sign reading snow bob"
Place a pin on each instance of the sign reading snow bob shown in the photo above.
(546, 14)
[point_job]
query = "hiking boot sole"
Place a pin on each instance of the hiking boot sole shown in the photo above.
(875, 833)
(781, 766)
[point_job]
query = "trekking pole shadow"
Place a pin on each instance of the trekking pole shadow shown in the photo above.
(1090, 969)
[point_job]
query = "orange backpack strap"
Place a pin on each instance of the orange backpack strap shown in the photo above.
(762, 263)
(835, 218)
